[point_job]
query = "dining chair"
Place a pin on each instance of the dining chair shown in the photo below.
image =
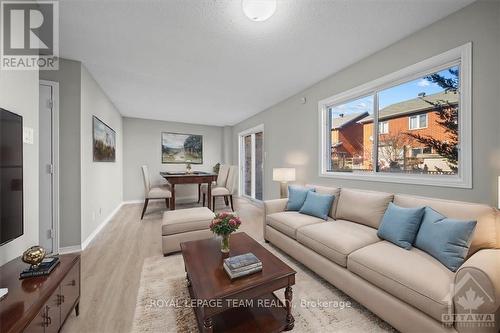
(225, 191)
(153, 193)
(221, 181)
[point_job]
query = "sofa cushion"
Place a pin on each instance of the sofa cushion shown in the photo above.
(365, 207)
(487, 233)
(336, 240)
(335, 191)
(400, 225)
(185, 220)
(445, 239)
(317, 205)
(410, 275)
(296, 197)
(289, 222)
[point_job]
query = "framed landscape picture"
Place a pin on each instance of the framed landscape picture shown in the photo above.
(104, 141)
(181, 148)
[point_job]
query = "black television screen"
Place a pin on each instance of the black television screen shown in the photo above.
(11, 176)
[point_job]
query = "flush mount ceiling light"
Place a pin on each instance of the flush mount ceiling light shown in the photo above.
(258, 10)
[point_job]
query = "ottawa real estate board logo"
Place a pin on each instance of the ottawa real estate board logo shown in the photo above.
(474, 305)
(29, 35)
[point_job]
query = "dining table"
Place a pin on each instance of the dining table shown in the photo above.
(193, 177)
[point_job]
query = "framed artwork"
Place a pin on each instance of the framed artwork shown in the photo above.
(104, 141)
(181, 148)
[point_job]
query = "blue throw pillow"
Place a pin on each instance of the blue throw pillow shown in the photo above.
(445, 239)
(400, 225)
(297, 196)
(317, 205)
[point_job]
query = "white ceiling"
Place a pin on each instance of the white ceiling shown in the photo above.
(203, 61)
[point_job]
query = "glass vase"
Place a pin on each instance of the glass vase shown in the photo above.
(224, 243)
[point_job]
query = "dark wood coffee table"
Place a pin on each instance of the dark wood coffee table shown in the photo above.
(247, 304)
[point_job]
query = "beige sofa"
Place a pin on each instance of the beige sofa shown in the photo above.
(407, 288)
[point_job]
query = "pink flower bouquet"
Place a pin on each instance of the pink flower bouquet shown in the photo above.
(223, 225)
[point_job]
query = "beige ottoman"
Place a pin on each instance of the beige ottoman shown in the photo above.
(184, 225)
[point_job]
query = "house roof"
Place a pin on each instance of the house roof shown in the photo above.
(340, 122)
(414, 105)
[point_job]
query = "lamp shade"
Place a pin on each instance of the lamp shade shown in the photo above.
(284, 174)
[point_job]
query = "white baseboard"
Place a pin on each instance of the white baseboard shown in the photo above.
(79, 248)
(70, 249)
(180, 200)
(129, 202)
(100, 226)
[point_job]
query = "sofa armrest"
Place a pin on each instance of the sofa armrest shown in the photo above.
(274, 206)
(271, 207)
(481, 274)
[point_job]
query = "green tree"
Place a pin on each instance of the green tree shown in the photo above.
(193, 144)
(448, 119)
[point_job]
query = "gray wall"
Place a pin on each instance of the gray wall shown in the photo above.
(227, 144)
(89, 192)
(101, 181)
(19, 94)
(291, 128)
(69, 78)
(142, 146)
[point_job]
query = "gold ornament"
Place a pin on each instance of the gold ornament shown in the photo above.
(34, 256)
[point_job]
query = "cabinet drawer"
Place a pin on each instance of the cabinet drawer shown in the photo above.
(70, 291)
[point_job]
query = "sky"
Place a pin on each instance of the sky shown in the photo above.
(174, 140)
(400, 93)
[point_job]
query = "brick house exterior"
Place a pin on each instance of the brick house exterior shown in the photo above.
(396, 149)
(347, 139)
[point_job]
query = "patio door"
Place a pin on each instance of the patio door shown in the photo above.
(252, 163)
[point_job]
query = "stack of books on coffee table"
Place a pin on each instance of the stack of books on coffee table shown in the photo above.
(242, 265)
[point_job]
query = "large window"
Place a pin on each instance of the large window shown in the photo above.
(412, 126)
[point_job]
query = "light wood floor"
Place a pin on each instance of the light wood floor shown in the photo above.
(112, 264)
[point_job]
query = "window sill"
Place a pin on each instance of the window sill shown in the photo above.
(439, 181)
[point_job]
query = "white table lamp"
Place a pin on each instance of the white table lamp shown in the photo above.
(284, 175)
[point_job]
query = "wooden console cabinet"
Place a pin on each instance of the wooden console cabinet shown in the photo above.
(39, 304)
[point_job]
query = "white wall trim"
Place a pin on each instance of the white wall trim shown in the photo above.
(178, 200)
(70, 249)
(55, 151)
(100, 227)
(83, 246)
(90, 238)
(130, 202)
(460, 55)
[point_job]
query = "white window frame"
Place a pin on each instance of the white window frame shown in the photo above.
(386, 131)
(462, 56)
(418, 116)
